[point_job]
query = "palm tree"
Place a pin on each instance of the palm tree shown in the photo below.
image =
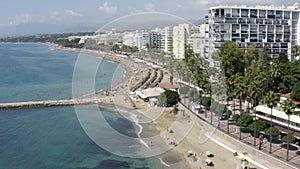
(289, 109)
(271, 100)
(240, 92)
(255, 92)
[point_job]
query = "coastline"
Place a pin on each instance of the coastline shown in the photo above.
(175, 157)
(143, 130)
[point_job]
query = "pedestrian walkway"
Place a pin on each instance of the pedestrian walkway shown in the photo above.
(247, 142)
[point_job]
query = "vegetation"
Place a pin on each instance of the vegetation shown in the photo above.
(272, 132)
(236, 117)
(245, 120)
(296, 92)
(289, 109)
(168, 98)
(289, 138)
(257, 126)
(124, 48)
(206, 101)
(69, 43)
(228, 112)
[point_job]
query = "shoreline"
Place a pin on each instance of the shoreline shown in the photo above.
(167, 159)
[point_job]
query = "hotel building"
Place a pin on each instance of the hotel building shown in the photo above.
(274, 27)
(180, 36)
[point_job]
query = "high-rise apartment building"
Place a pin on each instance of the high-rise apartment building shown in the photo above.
(180, 36)
(274, 27)
(167, 40)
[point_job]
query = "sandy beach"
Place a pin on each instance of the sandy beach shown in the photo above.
(156, 121)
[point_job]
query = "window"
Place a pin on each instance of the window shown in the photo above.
(278, 38)
(253, 13)
(235, 12)
(253, 37)
(284, 45)
(244, 28)
(244, 12)
(279, 14)
(271, 14)
(262, 13)
(286, 14)
(262, 29)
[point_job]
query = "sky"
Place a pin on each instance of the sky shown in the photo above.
(19, 16)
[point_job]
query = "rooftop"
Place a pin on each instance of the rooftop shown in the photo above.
(280, 7)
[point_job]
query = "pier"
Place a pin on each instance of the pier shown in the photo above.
(50, 103)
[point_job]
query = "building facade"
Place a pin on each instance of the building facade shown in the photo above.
(167, 40)
(180, 36)
(273, 27)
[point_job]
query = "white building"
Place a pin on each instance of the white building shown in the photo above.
(198, 40)
(274, 27)
(180, 36)
(167, 40)
(279, 117)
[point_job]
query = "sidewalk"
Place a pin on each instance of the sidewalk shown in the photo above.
(263, 159)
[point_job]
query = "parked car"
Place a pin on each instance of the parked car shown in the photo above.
(223, 117)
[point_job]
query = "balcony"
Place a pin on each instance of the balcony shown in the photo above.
(236, 15)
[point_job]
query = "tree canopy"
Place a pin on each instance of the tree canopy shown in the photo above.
(168, 98)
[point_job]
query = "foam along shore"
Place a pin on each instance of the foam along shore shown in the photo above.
(176, 157)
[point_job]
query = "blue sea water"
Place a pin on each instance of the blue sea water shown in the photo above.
(52, 138)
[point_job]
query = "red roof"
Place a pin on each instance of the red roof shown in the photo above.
(167, 85)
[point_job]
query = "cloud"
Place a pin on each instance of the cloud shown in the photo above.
(105, 8)
(150, 7)
(53, 13)
(202, 2)
(73, 14)
(21, 19)
(179, 6)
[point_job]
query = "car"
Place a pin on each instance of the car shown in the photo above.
(224, 117)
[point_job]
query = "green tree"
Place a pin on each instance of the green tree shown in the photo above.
(289, 109)
(257, 126)
(296, 50)
(283, 57)
(296, 92)
(289, 138)
(168, 98)
(272, 132)
(236, 117)
(240, 90)
(231, 57)
(206, 101)
(245, 120)
(271, 100)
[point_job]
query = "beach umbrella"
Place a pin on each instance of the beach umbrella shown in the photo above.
(209, 153)
(172, 141)
(190, 152)
(208, 161)
(244, 156)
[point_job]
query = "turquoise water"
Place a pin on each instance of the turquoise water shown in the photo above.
(52, 138)
(34, 72)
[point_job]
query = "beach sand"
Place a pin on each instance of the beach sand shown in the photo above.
(155, 121)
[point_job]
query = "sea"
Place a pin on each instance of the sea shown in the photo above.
(52, 138)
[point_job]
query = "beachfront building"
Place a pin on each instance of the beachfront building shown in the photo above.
(274, 27)
(167, 40)
(198, 40)
(138, 38)
(180, 36)
(279, 118)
